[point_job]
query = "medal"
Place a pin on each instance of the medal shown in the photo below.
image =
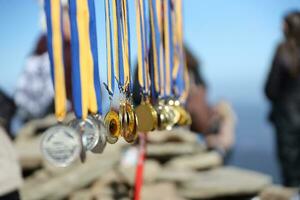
(164, 117)
(86, 97)
(113, 125)
(61, 145)
(174, 112)
(89, 131)
(129, 122)
(146, 116)
(102, 137)
(127, 116)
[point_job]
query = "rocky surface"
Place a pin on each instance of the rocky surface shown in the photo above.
(177, 167)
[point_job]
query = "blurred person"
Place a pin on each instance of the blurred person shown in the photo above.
(34, 92)
(215, 123)
(10, 176)
(7, 111)
(283, 91)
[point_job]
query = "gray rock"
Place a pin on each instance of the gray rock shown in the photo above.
(222, 182)
(171, 149)
(151, 171)
(160, 191)
(278, 193)
(180, 135)
(196, 162)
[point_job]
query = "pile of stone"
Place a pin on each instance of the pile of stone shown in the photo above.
(177, 167)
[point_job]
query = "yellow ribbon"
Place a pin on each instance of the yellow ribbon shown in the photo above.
(57, 47)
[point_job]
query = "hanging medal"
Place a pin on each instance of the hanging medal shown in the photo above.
(180, 72)
(95, 99)
(112, 120)
(60, 144)
(160, 70)
(85, 77)
(128, 117)
(145, 112)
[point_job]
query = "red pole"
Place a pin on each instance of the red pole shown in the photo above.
(140, 167)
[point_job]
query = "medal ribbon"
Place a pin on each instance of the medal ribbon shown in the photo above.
(168, 45)
(121, 43)
(85, 72)
(53, 12)
(95, 93)
(143, 63)
(180, 72)
(157, 46)
(109, 49)
(126, 44)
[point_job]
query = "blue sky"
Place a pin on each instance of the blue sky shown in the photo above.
(234, 39)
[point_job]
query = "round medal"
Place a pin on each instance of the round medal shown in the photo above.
(130, 128)
(88, 130)
(165, 117)
(113, 125)
(102, 135)
(174, 112)
(61, 145)
(146, 116)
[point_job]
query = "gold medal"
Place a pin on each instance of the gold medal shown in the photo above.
(129, 127)
(146, 116)
(162, 116)
(174, 113)
(184, 117)
(113, 125)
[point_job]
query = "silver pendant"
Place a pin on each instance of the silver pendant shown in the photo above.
(61, 145)
(102, 135)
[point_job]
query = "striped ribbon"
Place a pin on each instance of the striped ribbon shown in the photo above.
(143, 62)
(126, 44)
(121, 43)
(168, 47)
(85, 72)
(53, 12)
(180, 72)
(157, 47)
(109, 49)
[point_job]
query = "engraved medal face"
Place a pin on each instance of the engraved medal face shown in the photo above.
(88, 129)
(113, 125)
(146, 116)
(102, 136)
(61, 145)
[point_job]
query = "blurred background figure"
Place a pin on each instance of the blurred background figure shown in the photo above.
(216, 123)
(283, 91)
(10, 176)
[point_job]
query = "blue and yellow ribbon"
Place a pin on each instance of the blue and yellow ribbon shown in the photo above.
(96, 106)
(121, 43)
(168, 46)
(85, 72)
(180, 71)
(157, 46)
(109, 50)
(143, 60)
(53, 12)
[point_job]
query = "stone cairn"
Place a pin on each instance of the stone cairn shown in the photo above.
(177, 167)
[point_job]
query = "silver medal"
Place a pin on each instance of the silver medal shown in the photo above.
(102, 135)
(60, 145)
(88, 129)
